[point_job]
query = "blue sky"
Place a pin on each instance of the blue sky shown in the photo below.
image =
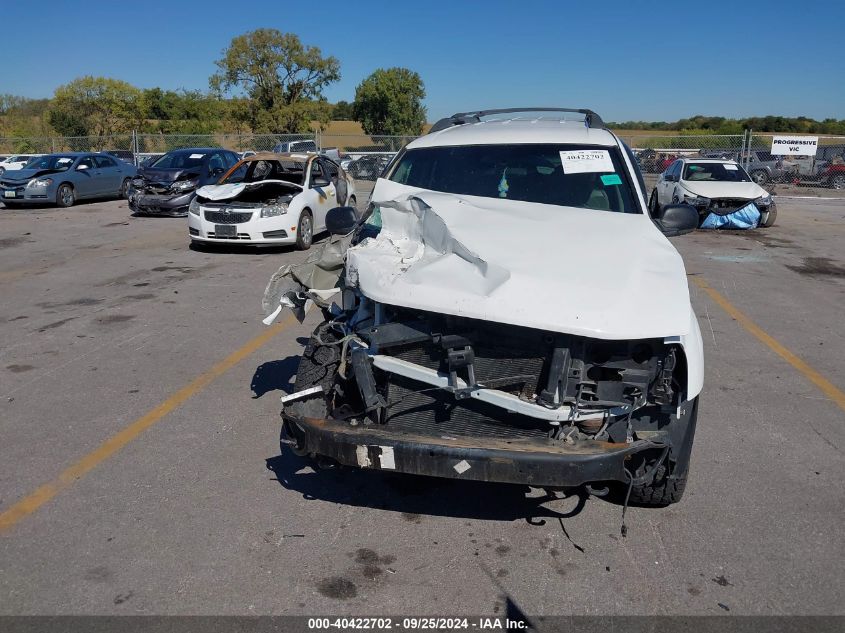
(626, 60)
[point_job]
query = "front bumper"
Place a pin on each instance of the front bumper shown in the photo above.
(151, 204)
(277, 230)
(528, 461)
(27, 195)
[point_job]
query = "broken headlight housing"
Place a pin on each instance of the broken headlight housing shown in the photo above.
(39, 183)
(272, 210)
(697, 201)
(194, 207)
(764, 201)
(182, 186)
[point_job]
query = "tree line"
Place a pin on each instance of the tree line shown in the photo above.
(720, 125)
(266, 82)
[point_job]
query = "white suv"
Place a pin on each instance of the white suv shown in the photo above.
(507, 311)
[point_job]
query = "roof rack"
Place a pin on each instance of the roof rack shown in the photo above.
(591, 119)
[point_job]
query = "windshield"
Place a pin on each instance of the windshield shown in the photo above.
(179, 160)
(51, 162)
(258, 170)
(583, 176)
(715, 172)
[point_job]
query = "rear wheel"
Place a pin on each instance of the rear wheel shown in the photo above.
(305, 230)
(65, 196)
(760, 176)
(838, 181)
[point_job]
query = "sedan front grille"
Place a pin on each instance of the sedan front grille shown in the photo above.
(235, 217)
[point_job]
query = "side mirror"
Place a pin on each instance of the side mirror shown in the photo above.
(677, 219)
(320, 182)
(341, 220)
(81, 167)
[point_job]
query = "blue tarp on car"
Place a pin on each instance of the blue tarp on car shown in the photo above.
(748, 217)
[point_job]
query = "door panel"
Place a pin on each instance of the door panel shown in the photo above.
(85, 181)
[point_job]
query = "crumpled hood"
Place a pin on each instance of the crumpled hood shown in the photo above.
(233, 190)
(585, 272)
(168, 175)
(24, 175)
(708, 189)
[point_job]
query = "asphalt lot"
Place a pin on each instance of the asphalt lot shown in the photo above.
(110, 323)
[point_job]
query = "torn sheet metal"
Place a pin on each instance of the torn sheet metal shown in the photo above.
(315, 280)
(560, 269)
(233, 190)
(748, 217)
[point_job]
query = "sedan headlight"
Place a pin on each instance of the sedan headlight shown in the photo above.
(183, 185)
(194, 207)
(697, 201)
(764, 201)
(272, 210)
(39, 183)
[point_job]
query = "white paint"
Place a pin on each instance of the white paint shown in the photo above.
(560, 269)
(462, 466)
(386, 459)
(301, 394)
(362, 456)
(795, 145)
(268, 320)
(586, 161)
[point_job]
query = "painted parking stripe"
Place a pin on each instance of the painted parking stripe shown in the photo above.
(815, 377)
(112, 445)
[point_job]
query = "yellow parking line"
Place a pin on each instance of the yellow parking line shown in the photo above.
(112, 445)
(827, 388)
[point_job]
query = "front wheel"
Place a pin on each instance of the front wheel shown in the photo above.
(305, 231)
(352, 202)
(771, 216)
(838, 181)
(65, 196)
(653, 206)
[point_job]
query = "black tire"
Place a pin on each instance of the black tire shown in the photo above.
(65, 196)
(653, 206)
(770, 217)
(760, 176)
(352, 202)
(124, 188)
(317, 366)
(305, 230)
(666, 488)
(837, 181)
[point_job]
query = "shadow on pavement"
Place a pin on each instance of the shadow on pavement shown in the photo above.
(415, 496)
(275, 375)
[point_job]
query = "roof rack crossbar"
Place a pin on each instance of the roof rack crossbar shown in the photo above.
(591, 119)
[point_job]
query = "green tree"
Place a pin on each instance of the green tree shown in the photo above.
(342, 111)
(97, 106)
(283, 79)
(390, 102)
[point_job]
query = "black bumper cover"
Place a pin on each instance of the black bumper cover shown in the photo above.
(535, 462)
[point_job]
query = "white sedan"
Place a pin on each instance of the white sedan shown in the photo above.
(15, 162)
(712, 186)
(270, 198)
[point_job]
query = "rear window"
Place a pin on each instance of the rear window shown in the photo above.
(583, 176)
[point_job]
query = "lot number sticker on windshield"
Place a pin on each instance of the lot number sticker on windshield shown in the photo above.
(730, 167)
(197, 155)
(586, 161)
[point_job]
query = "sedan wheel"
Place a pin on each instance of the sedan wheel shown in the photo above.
(65, 196)
(838, 181)
(305, 231)
(124, 189)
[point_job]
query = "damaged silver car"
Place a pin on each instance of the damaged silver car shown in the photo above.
(506, 311)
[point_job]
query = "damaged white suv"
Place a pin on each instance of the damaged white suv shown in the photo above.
(506, 310)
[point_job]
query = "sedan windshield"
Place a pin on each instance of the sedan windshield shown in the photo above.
(583, 176)
(715, 172)
(51, 162)
(179, 160)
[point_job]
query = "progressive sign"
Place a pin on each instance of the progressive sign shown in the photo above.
(795, 145)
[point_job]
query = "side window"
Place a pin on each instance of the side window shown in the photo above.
(104, 161)
(316, 171)
(215, 163)
(332, 168)
(87, 162)
(231, 159)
